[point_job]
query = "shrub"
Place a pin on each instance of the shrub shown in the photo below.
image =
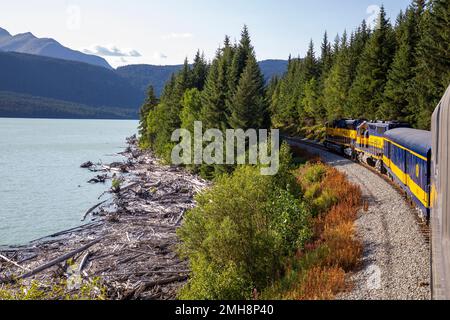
(313, 173)
(291, 220)
(237, 236)
(318, 271)
(89, 290)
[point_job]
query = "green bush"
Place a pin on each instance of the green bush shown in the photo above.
(325, 201)
(315, 173)
(237, 237)
(228, 282)
(291, 221)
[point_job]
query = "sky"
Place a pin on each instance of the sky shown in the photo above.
(165, 32)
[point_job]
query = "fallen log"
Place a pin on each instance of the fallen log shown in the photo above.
(87, 165)
(99, 179)
(59, 259)
(83, 262)
(92, 209)
(14, 263)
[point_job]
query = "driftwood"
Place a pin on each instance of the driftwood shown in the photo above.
(87, 165)
(99, 179)
(14, 263)
(92, 209)
(63, 258)
(83, 262)
(137, 258)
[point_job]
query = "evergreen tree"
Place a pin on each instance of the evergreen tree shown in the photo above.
(396, 94)
(248, 109)
(199, 71)
(326, 59)
(213, 111)
(243, 52)
(311, 102)
(433, 60)
(337, 86)
(150, 104)
(311, 65)
(366, 94)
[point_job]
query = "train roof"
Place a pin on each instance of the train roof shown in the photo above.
(345, 123)
(415, 140)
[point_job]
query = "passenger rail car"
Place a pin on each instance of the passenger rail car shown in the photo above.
(418, 162)
(440, 199)
(393, 148)
(407, 160)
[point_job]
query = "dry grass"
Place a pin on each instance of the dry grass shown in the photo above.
(319, 284)
(318, 272)
(335, 230)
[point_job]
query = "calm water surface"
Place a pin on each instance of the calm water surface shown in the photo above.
(43, 190)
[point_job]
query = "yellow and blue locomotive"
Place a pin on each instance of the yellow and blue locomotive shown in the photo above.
(393, 148)
(418, 162)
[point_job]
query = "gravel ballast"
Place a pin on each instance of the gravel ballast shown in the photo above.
(396, 258)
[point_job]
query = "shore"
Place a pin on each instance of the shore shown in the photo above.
(130, 244)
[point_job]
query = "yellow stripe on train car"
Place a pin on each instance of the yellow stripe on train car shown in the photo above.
(416, 190)
(386, 161)
(346, 133)
(377, 142)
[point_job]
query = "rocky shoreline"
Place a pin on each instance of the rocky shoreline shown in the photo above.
(130, 244)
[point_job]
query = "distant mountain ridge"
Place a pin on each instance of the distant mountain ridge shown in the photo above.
(28, 43)
(42, 78)
(143, 75)
(66, 80)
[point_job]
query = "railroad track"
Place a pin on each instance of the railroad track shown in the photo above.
(423, 225)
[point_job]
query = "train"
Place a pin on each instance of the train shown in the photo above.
(417, 161)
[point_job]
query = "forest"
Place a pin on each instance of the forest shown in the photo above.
(394, 71)
(291, 236)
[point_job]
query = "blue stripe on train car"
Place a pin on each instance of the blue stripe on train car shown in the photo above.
(408, 157)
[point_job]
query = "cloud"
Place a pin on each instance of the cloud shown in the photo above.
(159, 56)
(112, 51)
(175, 35)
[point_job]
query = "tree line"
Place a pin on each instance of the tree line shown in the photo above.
(391, 72)
(394, 72)
(227, 93)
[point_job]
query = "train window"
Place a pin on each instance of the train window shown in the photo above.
(380, 130)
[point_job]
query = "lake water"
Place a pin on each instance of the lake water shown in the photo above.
(43, 190)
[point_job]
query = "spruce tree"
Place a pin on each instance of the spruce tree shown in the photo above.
(433, 60)
(243, 52)
(150, 104)
(248, 108)
(199, 71)
(337, 85)
(213, 113)
(396, 95)
(326, 59)
(366, 94)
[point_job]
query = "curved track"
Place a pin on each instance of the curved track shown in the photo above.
(396, 258)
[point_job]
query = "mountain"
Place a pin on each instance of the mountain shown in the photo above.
(28, 43)
(64, 80)
(141, 76)
(271, 68)
(17, 105)
(38, 86)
